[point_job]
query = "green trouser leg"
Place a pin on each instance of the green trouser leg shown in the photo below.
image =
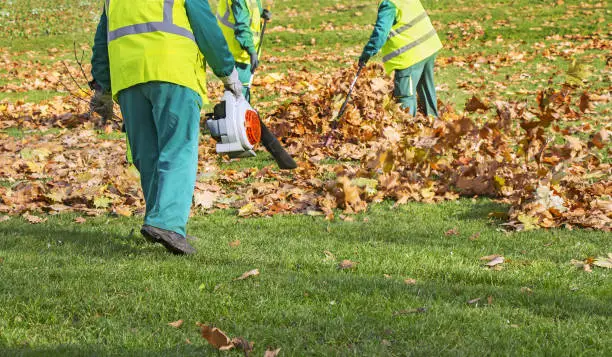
(244, 73)
(417, 79)
(162, 123)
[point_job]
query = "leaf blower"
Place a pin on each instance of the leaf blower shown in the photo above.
(235, 125)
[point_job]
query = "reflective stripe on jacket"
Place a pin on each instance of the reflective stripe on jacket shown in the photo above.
(227, 21)
(152, 40)
(412, 38)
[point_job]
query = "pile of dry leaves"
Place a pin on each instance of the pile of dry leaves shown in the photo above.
(538, 159)
(541, 159)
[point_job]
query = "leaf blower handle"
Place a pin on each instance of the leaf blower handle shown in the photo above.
(336, 122)
(266, 17)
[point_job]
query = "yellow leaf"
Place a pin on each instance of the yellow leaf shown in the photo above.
(529, 223)
(123, 211)
(247, 210)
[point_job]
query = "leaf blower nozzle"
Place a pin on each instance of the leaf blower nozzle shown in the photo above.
(235, 125)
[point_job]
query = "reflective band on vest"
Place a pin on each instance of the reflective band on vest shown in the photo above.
(226, 21)
(412, 38)
(394, 33)
(401, 50)
(166, 25)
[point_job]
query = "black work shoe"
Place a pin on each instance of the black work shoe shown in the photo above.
(173, 241)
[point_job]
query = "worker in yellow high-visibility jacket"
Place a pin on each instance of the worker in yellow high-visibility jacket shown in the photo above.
(409, 44)
(149, 56)
(240, 22)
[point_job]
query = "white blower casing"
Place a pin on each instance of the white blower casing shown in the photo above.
(235, 125)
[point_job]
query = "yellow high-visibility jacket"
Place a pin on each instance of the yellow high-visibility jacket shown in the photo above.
(412, 37)
(152, 40)
(227, 22)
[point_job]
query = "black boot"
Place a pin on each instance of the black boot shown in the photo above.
(173, 241)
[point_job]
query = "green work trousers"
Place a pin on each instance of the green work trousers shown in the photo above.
(162, 122)
(244, 73)
(417, 79)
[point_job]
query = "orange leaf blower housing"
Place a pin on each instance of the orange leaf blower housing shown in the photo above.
(235, 125)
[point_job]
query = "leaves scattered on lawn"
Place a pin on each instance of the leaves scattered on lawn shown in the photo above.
(588, 263)
(473, 301)
(204, 199)
(506, 153)
(248, 209)
(410, 281)
(217, 338)
(347, 264)
(234, 243)
(33, 219)
(604, 262)
(272, 352)
(4, 218)
(80, 220)
(123, 211)
(583, 264)
(248, 274)
(176, 324)
(329, 256)
(493, 261)
(526, 290)
(452, 232)
(242, 344)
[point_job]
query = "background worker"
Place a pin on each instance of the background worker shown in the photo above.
(156, 71)
(409, 46)
(240, 22)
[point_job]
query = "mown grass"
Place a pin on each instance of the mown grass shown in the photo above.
(99, 289)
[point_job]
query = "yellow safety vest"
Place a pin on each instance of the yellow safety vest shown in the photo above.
(412, 38)
(152, 40)
(227, 22)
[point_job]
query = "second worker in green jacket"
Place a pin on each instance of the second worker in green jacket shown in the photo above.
(241, 23)
(409, 45)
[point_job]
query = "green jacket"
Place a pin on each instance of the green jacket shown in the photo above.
(207, 33)
(382, 28)
(242, 31)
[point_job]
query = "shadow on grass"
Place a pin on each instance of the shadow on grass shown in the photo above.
(91, 241)
(93, 350)
(480, 209)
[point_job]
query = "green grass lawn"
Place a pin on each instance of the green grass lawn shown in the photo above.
(98, 288)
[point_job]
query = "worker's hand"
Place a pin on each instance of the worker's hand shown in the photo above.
(266, 15)
(232, 83)
(254, 61)
(102, 103)
(363, 60)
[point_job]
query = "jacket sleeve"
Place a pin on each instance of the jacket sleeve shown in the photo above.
(100, 67)
(209, 37)
(382, 28)
(242, 29)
